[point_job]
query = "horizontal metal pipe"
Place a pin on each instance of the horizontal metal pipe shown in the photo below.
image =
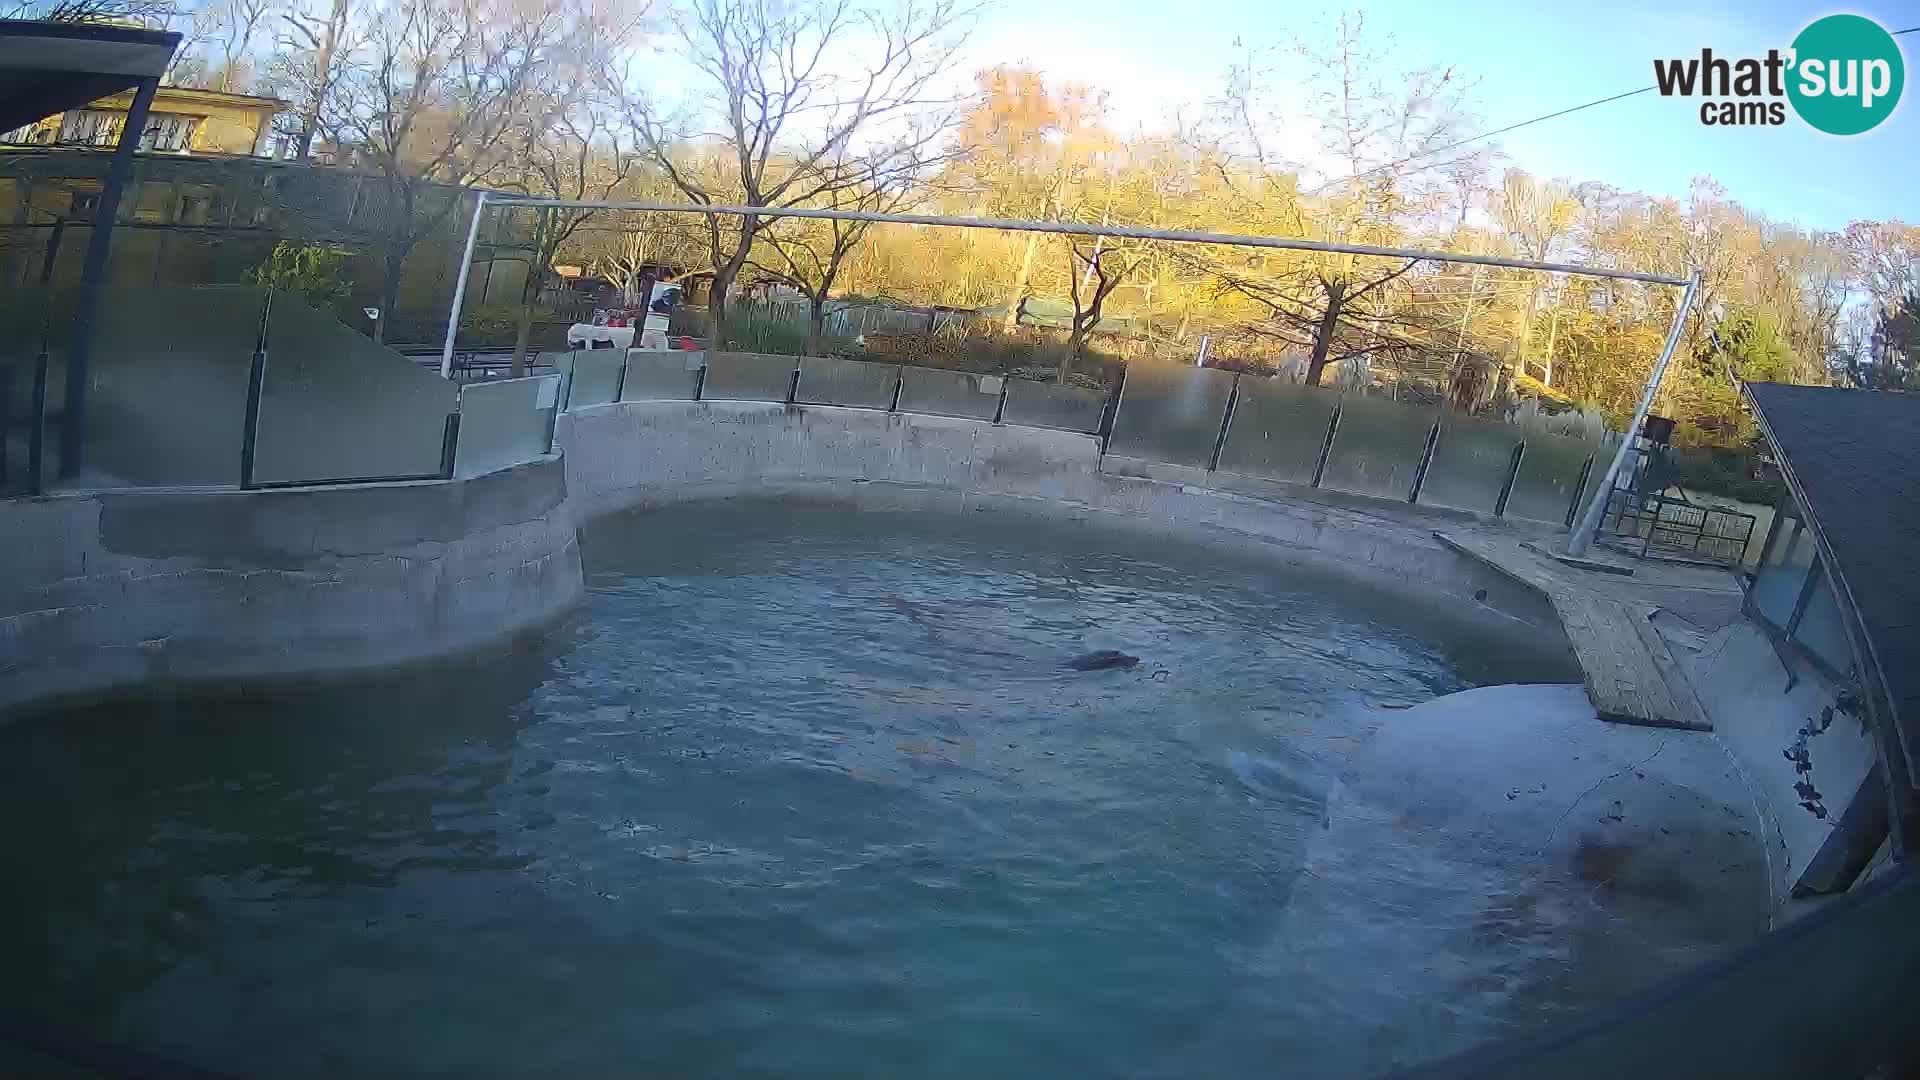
(1075, 228)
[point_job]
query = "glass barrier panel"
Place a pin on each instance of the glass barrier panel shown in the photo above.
(1171, 414)
(338, 406)
(504, 422)
(1470, 463)
(595, 378)
(948, 393)
(23, 323)
(1278, 429)
(167, 386)
(1377, 446)
(1821, 630)
(1550, 474)
(656, 375)
(736, 376)
(828, 380)
(1050, 405)
(1776, 587)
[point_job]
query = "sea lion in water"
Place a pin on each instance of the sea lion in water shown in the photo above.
(1101, 660)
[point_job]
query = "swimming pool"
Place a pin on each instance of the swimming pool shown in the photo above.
(802, 791)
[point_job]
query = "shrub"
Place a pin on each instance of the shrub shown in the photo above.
(314, 273)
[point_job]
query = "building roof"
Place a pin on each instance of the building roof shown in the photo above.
(1850, 458)
(48, 67)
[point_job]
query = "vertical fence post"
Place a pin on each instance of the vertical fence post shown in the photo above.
(256, 385)
(700, 378)
(460, 286)
(6, 422)
(620, 381)
(37, 432)
(1579, 489)
(793, 384)
(1326, 445)
(1513, 473)
(1226, 421)
(1111, 410)
(899, 384)
(1426, 461)
(450, 444)
(1000, 407)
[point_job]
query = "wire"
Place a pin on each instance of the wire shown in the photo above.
(1482, 135)
(1510, 127)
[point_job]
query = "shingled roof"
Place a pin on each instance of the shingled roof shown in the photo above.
(1852, 460)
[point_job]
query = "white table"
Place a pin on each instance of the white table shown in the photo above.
(586, 334)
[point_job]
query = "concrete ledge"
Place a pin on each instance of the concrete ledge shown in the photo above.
(154, 588)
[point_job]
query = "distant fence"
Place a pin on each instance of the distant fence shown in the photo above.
(843, 319)
(1219, 421)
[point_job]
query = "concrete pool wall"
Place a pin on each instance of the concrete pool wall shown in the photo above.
(140, 589)
(647, 454)
(131, 589)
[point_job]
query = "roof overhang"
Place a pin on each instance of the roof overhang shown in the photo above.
(47, 67)
(1848, 457)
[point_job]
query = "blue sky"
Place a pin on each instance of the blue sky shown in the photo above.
(1530, 59)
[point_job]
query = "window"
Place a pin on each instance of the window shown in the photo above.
(100, 127)
(1792, 599)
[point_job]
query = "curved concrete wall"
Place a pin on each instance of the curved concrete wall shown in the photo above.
(640, 454)
(139, 588)
(116, 590)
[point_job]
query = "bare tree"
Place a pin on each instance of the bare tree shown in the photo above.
(149, 13)
(315, 44)
(1106, 265)
(570, 153)
(1372, 124)
(795, 89)
(809, 253)
(433, 95)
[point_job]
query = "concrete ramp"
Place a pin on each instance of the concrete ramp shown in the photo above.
(1630, 676)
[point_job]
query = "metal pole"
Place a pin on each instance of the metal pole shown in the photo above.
(460, 287)
(73, 431)
(1075, 228)
(1583, 535)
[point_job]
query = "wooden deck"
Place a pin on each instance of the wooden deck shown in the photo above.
(1631, 677)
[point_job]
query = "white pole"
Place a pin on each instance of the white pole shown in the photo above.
(1075, 228)
(1589, 526)
(460, 287)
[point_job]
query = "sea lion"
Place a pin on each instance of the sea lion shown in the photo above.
(1102, 660)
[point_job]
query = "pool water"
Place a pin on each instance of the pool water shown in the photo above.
(803, 791)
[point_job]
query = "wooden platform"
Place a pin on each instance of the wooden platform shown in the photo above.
(1631, 677)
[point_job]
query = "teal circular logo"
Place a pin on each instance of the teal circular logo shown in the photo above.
(1847, 74)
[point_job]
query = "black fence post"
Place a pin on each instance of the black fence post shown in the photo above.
(1513, 473)
(793, 384)
(899, 384)
(1326, 445)
(1000, 407)
(1426, 461)
(700, 378)
(6, 422)
(1579, 490)
(73, 415)
(256, 385)
(1111, 410)
(1226, 421)
(450, 444)
(37, 432)
(620, 382)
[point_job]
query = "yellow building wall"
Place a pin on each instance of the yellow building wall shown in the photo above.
(228, 125)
